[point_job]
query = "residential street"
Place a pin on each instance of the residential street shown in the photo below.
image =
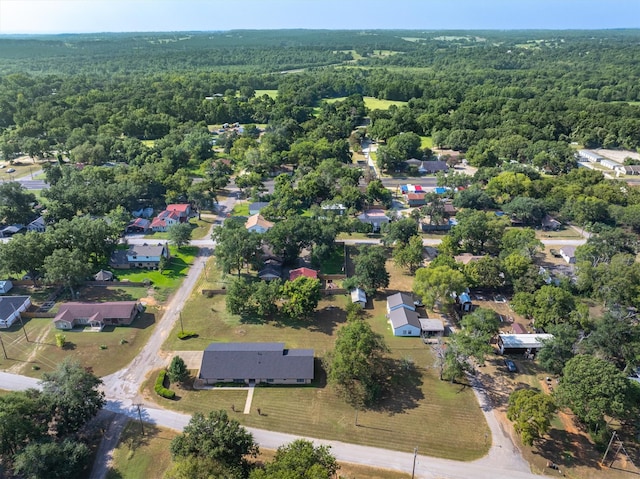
(121, 390)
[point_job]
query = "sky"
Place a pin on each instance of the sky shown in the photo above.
(90, 16)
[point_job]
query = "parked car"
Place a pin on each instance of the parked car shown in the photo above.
(11, 170)
(511, 366)
(418, 303)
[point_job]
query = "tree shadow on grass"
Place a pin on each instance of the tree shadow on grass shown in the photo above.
(567, 449)
(402, 388)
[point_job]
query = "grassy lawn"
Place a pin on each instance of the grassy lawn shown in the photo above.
(41, 354)
(270, 93)
(418, 409)
(563, 233)
(372, 103)
(163, 281)
(335, 263)
(142, 456)
(139, 456)
(426, 142)
(240, 209)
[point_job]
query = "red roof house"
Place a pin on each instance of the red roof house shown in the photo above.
(308, 272)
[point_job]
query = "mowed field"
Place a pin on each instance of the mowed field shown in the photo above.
(372, 103)
(417, 409)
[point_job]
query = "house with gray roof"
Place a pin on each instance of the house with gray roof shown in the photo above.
(11, 307)
(139, 256)
(405, 322)
(269, 363)
(400, 301)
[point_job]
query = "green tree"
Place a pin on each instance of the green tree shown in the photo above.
(531, 412)
(299, 460)
(370, 268)
(435, 285)
(530, 211)
(180, 234)
(23, 420)
(16, 203)
(193, 467)
(399, 231)
(66, 267)
(25, 253)
(72, 396)
(215, 437)
(235, 246)
(478, 232)
(177, 370)
(592, 388)
(482, 322)
(555, 352)
(67, 459)
(301, 297)
(522, 241)
(409, 255)
(355, 366)
(238, 297)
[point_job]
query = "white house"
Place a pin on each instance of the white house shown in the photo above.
(405, 322)
(375, 217)
(139, 256)
(589, 155)
(400, 301)
(5, 286)
(11, 307)
(568, 253)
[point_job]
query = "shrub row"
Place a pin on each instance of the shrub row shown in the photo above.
(160, 389)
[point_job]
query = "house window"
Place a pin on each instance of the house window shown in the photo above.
(269, 380)
(299, 380)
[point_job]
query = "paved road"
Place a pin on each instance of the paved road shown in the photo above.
(502, 461)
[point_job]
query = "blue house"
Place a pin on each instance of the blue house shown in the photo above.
(400, 301)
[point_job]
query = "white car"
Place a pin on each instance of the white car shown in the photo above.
(11, 170)
(3, 166)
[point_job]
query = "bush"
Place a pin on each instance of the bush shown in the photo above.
(160, 389)
(103, 346)
(61, 339)
(187, 334)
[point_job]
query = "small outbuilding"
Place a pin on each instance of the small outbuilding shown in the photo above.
(307, 272)
(568, 254)
(521, 343)
(359, 296)
(431, 328)
(103, 275)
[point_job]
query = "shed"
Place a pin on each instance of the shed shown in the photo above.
(5, 286)
(464, 300)
(521, 343)
(256, 363)
(103, 275)
(359, 296)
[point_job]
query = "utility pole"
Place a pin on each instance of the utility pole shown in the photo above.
(415, 454)
(3, 350)
(608, 446)
(21, 323)
(140, 417)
